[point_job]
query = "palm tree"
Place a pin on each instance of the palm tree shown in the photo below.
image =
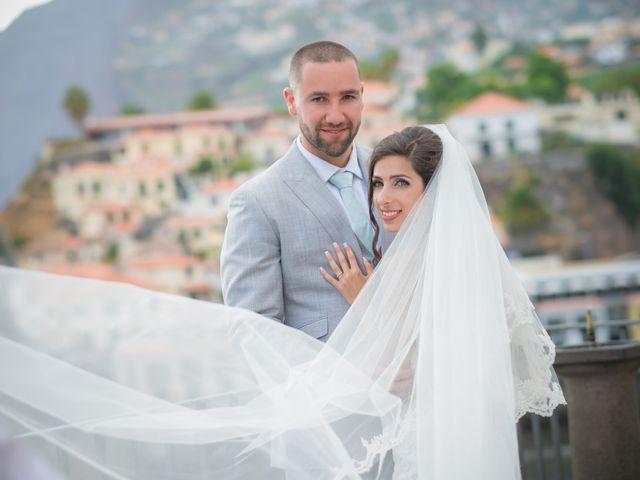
(77, 104)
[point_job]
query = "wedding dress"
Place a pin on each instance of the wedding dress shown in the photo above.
(112, 381)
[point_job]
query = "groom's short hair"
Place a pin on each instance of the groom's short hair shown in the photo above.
(323, 51)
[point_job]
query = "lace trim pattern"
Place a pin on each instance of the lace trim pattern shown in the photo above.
(539, 392)
(380, 444)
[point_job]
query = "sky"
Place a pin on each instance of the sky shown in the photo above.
(10, 9)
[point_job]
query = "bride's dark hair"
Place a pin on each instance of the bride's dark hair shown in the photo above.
(421, 146)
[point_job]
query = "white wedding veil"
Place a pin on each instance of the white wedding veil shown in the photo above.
(112, 381)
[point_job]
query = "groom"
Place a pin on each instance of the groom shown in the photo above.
(282, 222)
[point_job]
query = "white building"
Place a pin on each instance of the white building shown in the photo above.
(494, 125)
(184, 145)
(613, 117)
(200, 234)
(562, 294)
(177, 274)
(266, 145)
(148, 185)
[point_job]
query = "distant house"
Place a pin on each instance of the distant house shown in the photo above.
(612, 117)
(266, 145)
(101, 220)
(237, 119)
(219, 193)
(59, 249)
(178, 274)
(494, 125)
(98, 271)
(147, 184)
(379, 93)
(199, 234)
(380, 116)
(185, 145)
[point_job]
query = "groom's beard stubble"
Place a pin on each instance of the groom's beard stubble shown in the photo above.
(332, 149)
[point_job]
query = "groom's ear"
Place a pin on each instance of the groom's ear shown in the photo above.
(291, 101)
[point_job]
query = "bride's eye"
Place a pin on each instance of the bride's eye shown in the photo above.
(401, 183)
(376, 184)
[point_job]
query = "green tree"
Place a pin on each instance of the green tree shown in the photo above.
(617, 174)
(521, 209)
(204, 166)
(381, 68)
(242, 163)
(547, 78)
(77, 104)
(388, 62)
(112, 253)
(202, 100)
(613, 79)
(130, 109)
(446, 88)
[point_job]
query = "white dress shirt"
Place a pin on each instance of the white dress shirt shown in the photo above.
(325, 170)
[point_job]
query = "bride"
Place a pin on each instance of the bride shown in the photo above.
(438, 357)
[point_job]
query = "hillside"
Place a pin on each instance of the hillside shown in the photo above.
(156, 53)
(582, 222)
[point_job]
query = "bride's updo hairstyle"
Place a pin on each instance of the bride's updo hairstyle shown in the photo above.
(421, 146)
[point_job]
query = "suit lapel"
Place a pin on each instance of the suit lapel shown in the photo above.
(305, 183)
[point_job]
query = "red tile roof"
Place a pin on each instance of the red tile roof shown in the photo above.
(162, 261)
(377, 86)
(222, 186)
(142, 168)
(194, 221)
(492, 102)
(98, 271)
(164, 120)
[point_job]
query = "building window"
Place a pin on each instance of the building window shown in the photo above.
(511, 144)
(621, 115)
(125, 217)
(160, 185)
(177, 147)
(110, 217)
(189, 271)
(81, 189)
(142, 189)
(196, 233)
(509, 125)
(222, 144)
(96, 188)
(482, 127)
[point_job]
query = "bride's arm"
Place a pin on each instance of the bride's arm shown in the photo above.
(348, 279)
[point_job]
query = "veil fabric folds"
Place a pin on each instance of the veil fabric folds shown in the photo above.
(116, 382)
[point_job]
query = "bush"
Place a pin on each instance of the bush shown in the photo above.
(617, 174)
(204, 166)
(521, 208)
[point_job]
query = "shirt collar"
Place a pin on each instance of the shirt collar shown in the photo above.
(325, 169)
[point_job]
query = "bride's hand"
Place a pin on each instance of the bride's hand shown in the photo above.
(348, 280)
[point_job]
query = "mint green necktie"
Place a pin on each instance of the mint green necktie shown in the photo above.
(343, 181)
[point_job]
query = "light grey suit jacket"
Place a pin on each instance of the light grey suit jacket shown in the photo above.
(279, 226)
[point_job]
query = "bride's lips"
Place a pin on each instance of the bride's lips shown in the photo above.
(389, 215)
